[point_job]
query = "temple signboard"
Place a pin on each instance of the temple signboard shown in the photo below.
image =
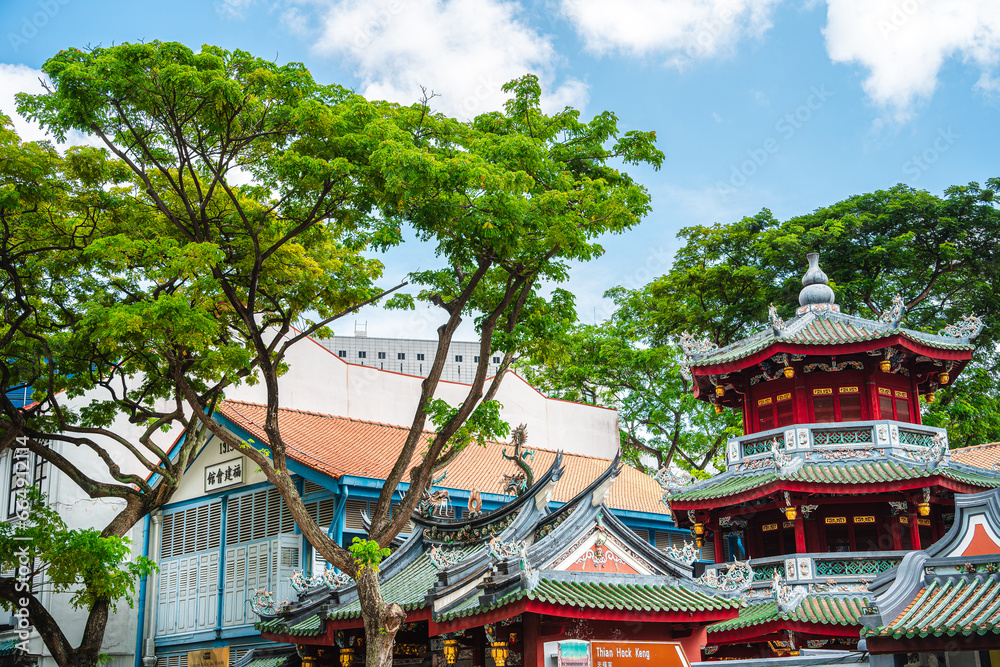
(214, 657)
(634, 654)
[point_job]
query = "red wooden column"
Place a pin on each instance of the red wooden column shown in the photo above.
(800, 534)
(717, 540)
(914, 529)
(534, 652)
(897, 537)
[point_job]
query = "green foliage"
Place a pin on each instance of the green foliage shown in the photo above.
(367, 553)
(517, 195)
(180, 254)
(611, 365)
(483, 424)
(79, 561)
(938, 253)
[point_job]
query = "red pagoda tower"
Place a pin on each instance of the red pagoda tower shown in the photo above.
(835, 477)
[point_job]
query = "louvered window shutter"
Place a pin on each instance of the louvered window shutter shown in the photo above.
(352, 518)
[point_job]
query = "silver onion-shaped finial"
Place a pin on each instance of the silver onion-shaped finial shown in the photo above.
(815, 289)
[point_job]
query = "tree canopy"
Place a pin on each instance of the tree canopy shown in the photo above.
(939, 253)
(246, 202)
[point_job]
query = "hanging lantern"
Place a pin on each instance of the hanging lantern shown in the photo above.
(789, 372)
(699, 542)
(885, 365)
(924, 509)
(718, 409)
(720, 390)
(791, 513)
(699, 529)
(499, 652)
(929, 397)
(347, 657)
(451, 651)
(943, 378)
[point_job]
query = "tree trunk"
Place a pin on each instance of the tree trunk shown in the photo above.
(382, 620)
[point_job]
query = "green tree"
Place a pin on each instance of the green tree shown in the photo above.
(612, 365)
(231, 190)
(937, 252)
(39, 548)
(207, 292)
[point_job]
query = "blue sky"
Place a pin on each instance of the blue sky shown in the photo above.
(757, 103)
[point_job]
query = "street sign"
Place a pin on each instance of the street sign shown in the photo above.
(638, 654)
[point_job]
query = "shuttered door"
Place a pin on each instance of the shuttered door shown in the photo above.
(208, 590)
(187, 593)
(286, 550)
(235, 586)
(166, 618)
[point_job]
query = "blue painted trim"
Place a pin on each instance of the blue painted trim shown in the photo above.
(204, 636)
(142, 597)
(222, 566)
(172, 649)
(339, 515)
(204, 500)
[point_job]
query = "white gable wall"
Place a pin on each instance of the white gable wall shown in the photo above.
(319, 381)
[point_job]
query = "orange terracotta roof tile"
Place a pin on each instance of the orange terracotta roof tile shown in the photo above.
(981, 456)
(340, 446)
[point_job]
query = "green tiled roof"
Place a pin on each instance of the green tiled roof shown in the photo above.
(821, 609)
(859, 473)
(824, 329)
(624, 597)
(407, 588)
(8, 647)
(957, 605)
(270, 661)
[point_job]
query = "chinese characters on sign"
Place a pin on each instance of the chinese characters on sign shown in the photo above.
(223, 475)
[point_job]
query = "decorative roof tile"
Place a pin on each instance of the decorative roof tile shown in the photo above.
(826, 328)
(819, 609)
(949, 605)
(592, 595)
(985, 456)
(839, 474)
(339, 446)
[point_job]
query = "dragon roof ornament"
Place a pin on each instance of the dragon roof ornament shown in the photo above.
(263, 604)
(736, 577)
(777, 324)
(969, 327)
(695, 347)
(687, 554)
(442, 560)
(894, 314)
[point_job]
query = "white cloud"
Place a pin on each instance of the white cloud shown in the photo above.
(903, 44)
(465, 50)
(20, 79)
(233, 9)
(681, 30)
(23, 79)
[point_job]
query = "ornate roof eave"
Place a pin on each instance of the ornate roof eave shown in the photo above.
(777, 484)
(967, 505)
(515, 596)
(541, 485)
(897, 338)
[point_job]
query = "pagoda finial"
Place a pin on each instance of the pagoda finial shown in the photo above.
(815, 290)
